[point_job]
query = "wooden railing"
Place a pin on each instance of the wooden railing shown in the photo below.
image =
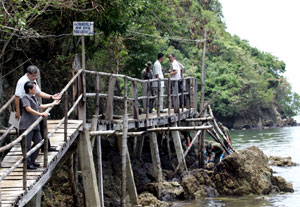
(171, 96)
(22, 137)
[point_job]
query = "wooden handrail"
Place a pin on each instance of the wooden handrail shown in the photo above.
(7, 104)
(130, 78)
(70, 82)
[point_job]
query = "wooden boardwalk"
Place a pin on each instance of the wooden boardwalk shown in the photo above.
(12, 193)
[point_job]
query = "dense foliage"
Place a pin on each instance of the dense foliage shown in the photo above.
(131, 32)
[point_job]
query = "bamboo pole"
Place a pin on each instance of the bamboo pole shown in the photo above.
(72, 181)
(196, 137)
(158, 98)
(24, 151)
(124, 146)
(45, 135)
(219, 130)
(6, 132)
(182, 128)
(156, 161)
(203, 73)
(100, 173)
(199, 119)
(7, 104)
(169, 97)
(66, 117)
(201, 158)
(97, 95)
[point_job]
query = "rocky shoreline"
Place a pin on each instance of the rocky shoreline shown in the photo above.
(246, 172)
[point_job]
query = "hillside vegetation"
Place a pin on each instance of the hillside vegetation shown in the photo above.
(129, 33)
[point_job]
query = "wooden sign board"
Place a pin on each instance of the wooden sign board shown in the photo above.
(83, 28)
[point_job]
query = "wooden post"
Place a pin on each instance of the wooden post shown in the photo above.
(72, 181)
(124, 146)
(45, 135)
(169, 97)
(140, 145)
(66, 117)
(75, 165)
(156, 161)
(24, 151)
(98, 160)
(97, 94)
(100, 174)
(83, 102)
(148, 101)
(182, 94)
(203, 73)
(130, 177)
(110, 99)
(188, 97)
(135, 102)
(158, 97)
(88, 170)
(36, 200)
(201, 149)
(176, 98)
(195, 96)
(144, 93)
(178, 149)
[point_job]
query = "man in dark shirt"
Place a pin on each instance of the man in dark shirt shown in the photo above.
(147, 75)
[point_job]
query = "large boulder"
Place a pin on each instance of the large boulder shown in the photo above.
(247, 172)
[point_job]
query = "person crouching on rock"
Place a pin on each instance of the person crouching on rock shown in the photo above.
(214, 148)
(30, 114)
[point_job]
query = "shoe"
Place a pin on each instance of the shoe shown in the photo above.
(52, 149)
(31, 167)
(36, 164)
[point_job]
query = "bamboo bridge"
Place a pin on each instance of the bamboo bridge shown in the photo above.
(126, 114)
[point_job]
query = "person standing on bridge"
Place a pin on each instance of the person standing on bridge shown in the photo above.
(31, 75)
(147, 75)
(30, 113)
(175, 73)
(158, 73)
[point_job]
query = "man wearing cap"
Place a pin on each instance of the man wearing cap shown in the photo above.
(225, 131)
(146, 75)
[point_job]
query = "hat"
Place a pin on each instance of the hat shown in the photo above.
(148, 64)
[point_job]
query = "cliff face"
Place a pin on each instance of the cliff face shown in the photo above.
(261, 118)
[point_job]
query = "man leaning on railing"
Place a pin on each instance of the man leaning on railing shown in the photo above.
(32, 74)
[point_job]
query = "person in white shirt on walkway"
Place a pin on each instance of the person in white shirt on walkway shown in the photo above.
(32, 74)
(158, 73)
(175, 73)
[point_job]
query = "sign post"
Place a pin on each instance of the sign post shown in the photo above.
(83, 29)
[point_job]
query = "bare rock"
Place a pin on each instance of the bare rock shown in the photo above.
(148, 199)
(281, 161)
(282, 184)
(246, 172)
(170, 190)
(197, 184)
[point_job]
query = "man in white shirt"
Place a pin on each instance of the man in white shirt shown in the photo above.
(157, 73)
(31, 75)
(175, 73)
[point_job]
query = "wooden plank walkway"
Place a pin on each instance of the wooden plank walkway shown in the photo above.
(152, 121)
(12, 193)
